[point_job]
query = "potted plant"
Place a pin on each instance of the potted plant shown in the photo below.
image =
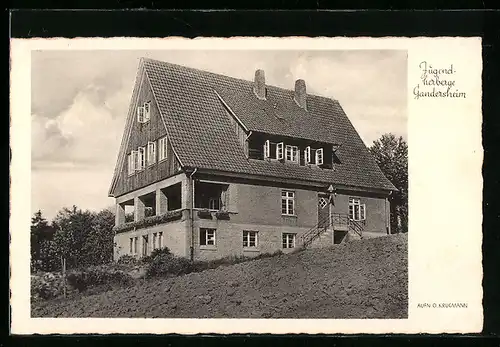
(223, 215)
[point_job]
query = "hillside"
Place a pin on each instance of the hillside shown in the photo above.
(358, 279)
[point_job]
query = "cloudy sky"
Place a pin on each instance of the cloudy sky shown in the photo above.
(79, 102)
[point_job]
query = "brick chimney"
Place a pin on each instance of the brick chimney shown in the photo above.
(259, 87)
(300, 96)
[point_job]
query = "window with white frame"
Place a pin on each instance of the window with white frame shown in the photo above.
(288, 203)
(154, 240)
(279, 150)
(160, 239)
(207, 237)
(307, 155)
(292, 153)
(151, 153)
(288, 240)
(162, 144)
(141, 158)
(131, 162)
(357, 210)
(319, 156)
(249, 239)
(147, 111)
(267, 146)
(140, 114)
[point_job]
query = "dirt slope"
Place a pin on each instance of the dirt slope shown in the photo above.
(359, 279)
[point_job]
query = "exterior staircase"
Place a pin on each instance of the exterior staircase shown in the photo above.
(323, 234)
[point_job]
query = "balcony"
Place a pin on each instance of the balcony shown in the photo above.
(167, 217)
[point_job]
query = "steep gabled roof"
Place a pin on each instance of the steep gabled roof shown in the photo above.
(203, 137)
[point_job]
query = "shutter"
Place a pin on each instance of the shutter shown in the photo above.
(307, 154)
(279, 150)
(147, 109)
(266, 149)
(319, 156)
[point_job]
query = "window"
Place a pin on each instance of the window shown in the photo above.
(249, 239)
(266, 149)
(212, 196)
(279, 150)
(357, 210)
(319, 156)
(162, 144)
(160, 239)
(292, 153)
(213, 204)
(136, 242)
(147, 111)
(207, 237)
(154, 240)
(151, 153)
(141, 158)
(140, 114)
(307, 154)
(288, 203)
(288, 240)
(322, 202)
(145, 245)
(131, 246)
(131, 162)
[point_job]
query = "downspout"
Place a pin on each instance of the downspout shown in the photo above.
(191, 182)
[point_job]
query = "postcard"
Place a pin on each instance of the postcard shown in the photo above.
(246, 185)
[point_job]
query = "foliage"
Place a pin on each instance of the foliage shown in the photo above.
(46, 285)
(83, 238)
(149, 221)
(391, 155)
(97, 276)
(127, 260)
(164, 263)
(165, 251)
(42, 247)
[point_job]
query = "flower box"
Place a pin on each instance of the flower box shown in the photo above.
(223, 215)
(205, 214)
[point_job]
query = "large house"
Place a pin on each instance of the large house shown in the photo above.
(213, 166)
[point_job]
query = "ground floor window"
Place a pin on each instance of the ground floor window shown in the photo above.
(145, 243)
(207, 237)
(357, 210)
(136, 242)
(160, 239)
(249, 239)
(154, 240)
(288, 240)
(131, 246)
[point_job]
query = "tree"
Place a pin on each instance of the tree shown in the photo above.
(100, 239)
(391, 155)
(42, 234)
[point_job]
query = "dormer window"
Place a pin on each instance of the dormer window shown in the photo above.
(279, 151)
(319, 156)
(307, 155)
(292, 153)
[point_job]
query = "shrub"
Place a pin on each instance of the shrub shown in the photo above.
(92, 277)
(46, 286)
(155, 253)
(127, 260)
(167, 264)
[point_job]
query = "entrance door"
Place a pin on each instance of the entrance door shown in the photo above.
(323, 211)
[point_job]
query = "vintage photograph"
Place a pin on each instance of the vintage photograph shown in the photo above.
(219, 184)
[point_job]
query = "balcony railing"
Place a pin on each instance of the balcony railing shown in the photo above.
(167, 217)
